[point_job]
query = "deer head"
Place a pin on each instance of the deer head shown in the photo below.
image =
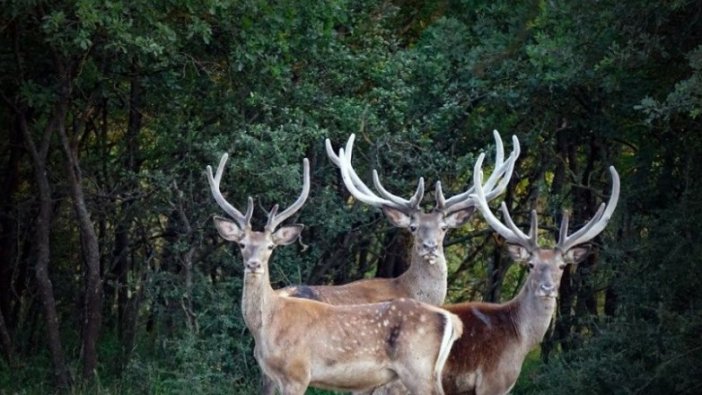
(428, 228)
(256, 246)
(545, 265)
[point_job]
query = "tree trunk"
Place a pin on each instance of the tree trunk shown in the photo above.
(92, 313)
(9, 249)
(132, 164)
(42, 243)
(6, 341)
(395, 257)
(495, 276)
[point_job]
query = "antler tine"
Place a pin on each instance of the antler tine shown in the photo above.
(412, 203)
(597, 224)
(241, 220)
(502, 173)
(249, 210)
(336, 161)
(270, 225)
(533, 228)
(512, 234)
(288, 212)
(368, 198)
(358, 188)
(439, 197)
(563, 232)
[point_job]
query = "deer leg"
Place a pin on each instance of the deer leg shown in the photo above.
(291, 388)
(267, 385)
(392, 388)
(294, 377)
(417, 383)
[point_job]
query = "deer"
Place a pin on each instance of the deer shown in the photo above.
(302, 342)
(488, 358)
(426, 278)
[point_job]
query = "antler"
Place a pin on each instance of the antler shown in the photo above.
(359, 189)
(510, 232)
(495, 185)
(244, 221)
(276, 219)
(515, 236)
(595, 225)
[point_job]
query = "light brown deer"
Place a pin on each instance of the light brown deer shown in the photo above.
(301, 343)
(497, 337)
(426, 278)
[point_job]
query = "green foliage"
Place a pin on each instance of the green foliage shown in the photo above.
(162, 89)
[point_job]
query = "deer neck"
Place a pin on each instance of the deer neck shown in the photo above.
(533, 315)
(257, 299)
(424, 281)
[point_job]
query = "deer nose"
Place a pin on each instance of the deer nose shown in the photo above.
(429, 245)
(253, 265)
(548, 287)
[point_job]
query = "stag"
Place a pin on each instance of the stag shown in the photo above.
(301, 342)
(426, 278)
(497, 337)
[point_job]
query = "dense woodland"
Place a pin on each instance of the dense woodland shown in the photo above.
(114, 280)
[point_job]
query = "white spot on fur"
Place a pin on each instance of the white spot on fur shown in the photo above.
(482, 317)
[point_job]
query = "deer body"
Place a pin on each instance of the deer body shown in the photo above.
(302, 342)
(488, 358)
(426, 278)
(351, 348)
(421, 281)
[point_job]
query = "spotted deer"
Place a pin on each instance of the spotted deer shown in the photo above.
(497, 337)
(301, 342)
(426, 278)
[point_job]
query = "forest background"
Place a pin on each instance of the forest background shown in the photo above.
(112, 276)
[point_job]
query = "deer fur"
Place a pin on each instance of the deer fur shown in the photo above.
(488, 358)
(301, 343)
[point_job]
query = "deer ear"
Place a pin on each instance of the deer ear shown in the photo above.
(576, 254)
(518, 253)
(227, 229)
(287, 234)
(396, 217)
(459, 217)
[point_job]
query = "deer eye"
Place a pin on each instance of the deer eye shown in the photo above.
(242, 245)
(271, 247)
(562, 266)
(531, 265)
(444, 227)
(413, 228)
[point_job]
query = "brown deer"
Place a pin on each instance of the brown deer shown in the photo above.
(426, 278)
(497, 337)
(301, 342)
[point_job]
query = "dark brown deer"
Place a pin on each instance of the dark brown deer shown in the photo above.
(497, 337)
(488, 358)
(301, 343)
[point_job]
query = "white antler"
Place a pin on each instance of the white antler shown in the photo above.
(244, 221)
(595, 225)
(360, 191)
(276, 219)
(510, 232)
(494, 186)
